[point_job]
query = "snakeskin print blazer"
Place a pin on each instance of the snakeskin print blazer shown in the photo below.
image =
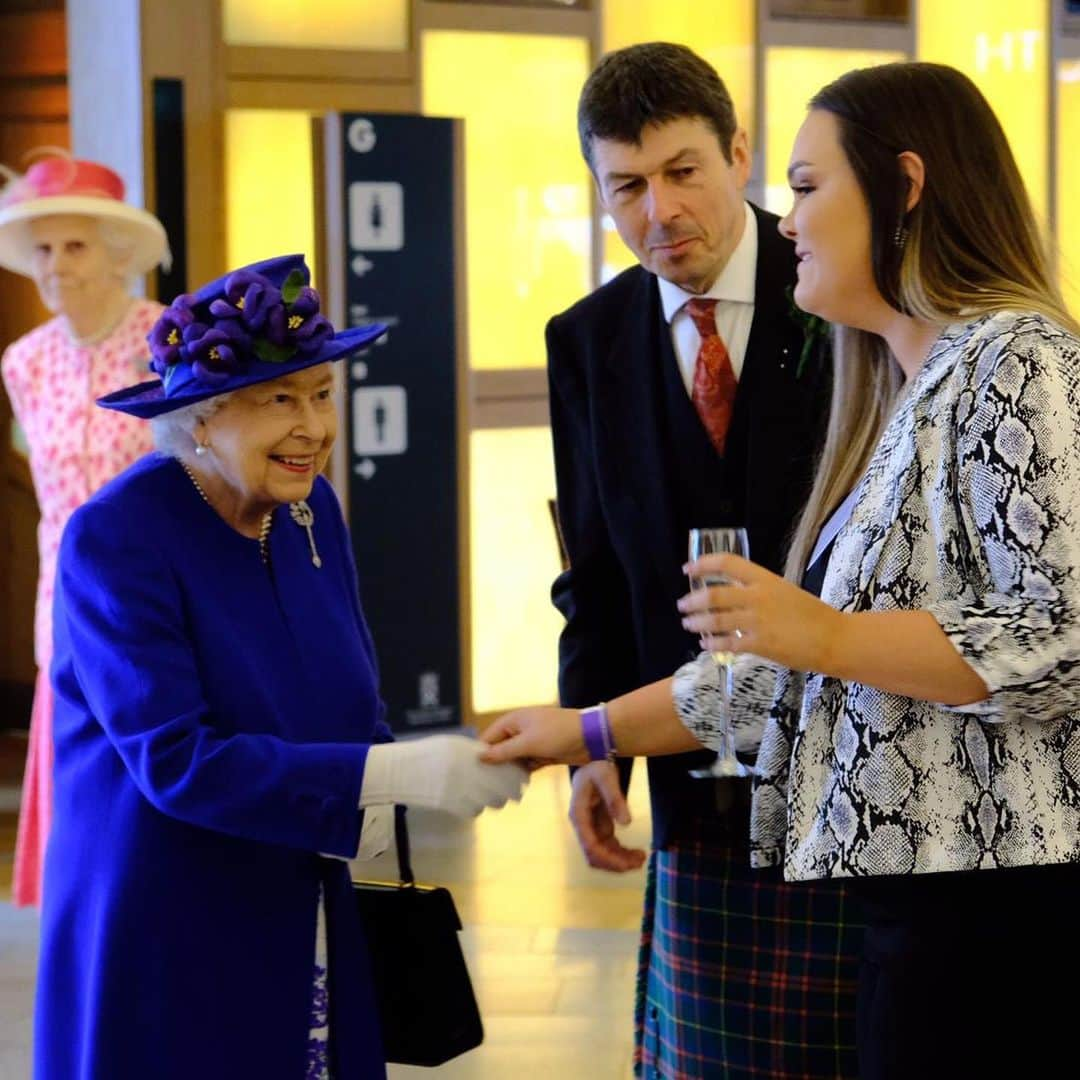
(969, 509)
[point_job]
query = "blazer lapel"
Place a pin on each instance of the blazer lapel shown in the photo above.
(892, 476)
(631, 397)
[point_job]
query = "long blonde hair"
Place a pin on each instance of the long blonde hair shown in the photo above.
(970, 246)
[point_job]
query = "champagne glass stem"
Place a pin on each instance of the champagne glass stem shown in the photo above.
(727, 764)
(727, 692)
(705, 541)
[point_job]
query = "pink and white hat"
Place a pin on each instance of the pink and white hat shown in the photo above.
(65, 185)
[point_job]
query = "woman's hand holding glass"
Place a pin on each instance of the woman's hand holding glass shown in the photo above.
(762, 613)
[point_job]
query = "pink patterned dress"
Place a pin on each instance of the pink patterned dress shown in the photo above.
(75, 448)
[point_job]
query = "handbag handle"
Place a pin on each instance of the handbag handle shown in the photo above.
(401, 841)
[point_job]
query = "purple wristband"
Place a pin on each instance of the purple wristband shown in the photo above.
(596, 731)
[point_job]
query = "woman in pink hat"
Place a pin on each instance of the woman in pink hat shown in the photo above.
(65, 224)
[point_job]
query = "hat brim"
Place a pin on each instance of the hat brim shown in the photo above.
(147, 400)
(150, 244)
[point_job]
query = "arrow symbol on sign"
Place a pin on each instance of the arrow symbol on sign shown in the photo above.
(366, 469)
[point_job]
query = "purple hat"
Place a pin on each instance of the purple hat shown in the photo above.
(255, 324)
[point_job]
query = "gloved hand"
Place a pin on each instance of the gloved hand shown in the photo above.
(440, 772)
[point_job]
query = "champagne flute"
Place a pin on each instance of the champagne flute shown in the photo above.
(708, 542)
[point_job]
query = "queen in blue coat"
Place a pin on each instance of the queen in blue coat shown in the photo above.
(220, 747)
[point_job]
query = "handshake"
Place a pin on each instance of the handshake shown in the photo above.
(439, 772)
(458, 775)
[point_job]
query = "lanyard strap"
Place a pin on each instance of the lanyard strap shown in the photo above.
(829, 530)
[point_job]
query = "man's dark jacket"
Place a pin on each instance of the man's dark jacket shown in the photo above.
(635, 471)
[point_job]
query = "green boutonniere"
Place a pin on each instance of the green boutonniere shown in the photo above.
(816, 331)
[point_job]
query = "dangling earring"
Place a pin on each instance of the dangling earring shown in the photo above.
(899, 237)
(200, 449)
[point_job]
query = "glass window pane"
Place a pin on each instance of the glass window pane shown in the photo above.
(262, 218)
(1001, 45)
(515, 558)
(792, 77)
(380, 25)
(1068, 181)
(617, 256)
(722, 34)
(528, 230)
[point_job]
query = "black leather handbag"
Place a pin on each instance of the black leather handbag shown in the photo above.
(426, 1001)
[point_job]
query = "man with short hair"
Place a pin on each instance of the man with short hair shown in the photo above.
(679, 398)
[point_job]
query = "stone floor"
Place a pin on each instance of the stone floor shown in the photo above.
(550, 943)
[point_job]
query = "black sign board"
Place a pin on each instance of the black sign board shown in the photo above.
(390, 211)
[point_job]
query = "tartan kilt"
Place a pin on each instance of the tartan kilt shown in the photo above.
(741, 974)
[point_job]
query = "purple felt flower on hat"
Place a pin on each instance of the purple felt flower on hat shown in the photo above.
(307, 328)
(276, 328)
(306, 303)
(166, 337)
(251, 297)
(313, 334)
(213, 350)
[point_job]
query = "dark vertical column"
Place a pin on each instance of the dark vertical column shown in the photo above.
(169, 182)
(391, 182)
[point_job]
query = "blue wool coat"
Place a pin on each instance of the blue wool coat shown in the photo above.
(211, 728)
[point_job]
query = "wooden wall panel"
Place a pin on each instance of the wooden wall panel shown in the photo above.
(33, 113)
(183, 41)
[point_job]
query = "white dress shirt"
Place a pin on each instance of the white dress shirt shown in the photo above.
(734, 289)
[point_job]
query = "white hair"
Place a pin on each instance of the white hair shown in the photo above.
(174, 432)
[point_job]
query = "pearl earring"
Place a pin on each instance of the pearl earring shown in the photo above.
(200, 449)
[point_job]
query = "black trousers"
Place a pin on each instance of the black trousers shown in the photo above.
(973, 974)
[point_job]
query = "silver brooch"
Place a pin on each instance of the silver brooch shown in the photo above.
(301, 513)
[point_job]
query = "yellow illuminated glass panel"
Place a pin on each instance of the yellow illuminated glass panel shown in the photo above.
(269, 185)
(381, 25)
(528, 229)
(792, 77)
(617, 256)
(1002, 46)
(1068, 182)
(515, 558)
(722, 34)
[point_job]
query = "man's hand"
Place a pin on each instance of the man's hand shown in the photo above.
(597, 804)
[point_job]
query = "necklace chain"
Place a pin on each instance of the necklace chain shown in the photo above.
(264, 528)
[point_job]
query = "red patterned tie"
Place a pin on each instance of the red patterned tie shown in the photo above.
(714, 388)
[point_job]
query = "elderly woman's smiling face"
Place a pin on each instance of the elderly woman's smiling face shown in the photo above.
(267, 443)
(72, 266)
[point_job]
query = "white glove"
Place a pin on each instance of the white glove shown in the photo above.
(440, 772)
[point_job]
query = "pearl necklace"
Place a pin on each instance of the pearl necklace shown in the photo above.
(264, 528)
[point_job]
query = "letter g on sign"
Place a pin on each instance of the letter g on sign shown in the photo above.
(362, 136)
